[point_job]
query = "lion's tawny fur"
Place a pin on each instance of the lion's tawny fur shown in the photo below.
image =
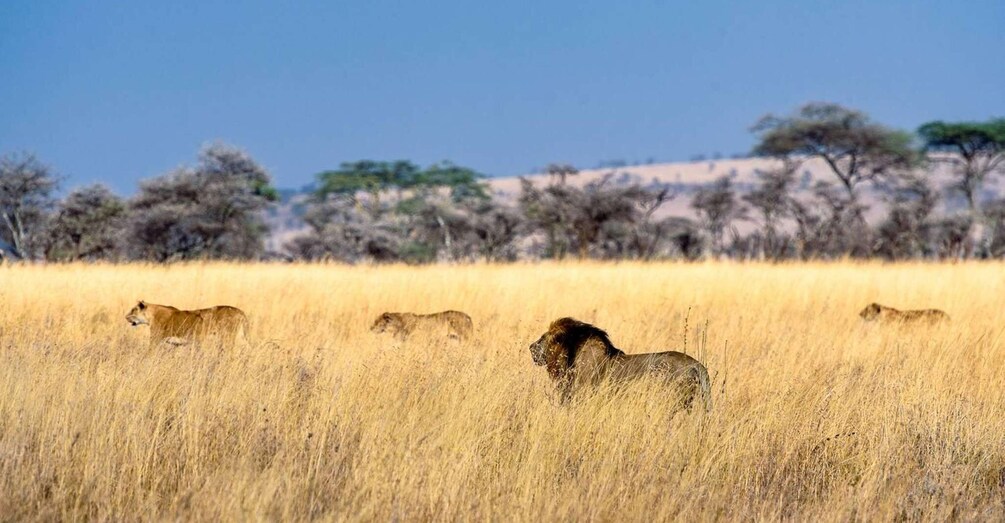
(453, 324)
(875, 311)
(577, 354)
(223, 323)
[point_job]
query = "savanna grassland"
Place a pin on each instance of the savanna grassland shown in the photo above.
(320, 419)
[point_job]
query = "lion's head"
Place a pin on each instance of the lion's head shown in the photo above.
(558, 347)
(138, 315)
(871, 312)
(388, 321)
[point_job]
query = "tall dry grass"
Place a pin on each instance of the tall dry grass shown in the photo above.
(323, 420)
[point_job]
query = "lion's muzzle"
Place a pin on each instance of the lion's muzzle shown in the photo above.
(537, 353)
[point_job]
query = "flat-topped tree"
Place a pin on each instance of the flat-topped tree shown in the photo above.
(855, 148)
(976, 149)
(368, 176)
(429, 218)
(375, 177)
(437, 222)
(561, 171)
(463, 182)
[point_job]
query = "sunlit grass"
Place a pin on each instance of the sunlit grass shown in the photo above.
(322, 419)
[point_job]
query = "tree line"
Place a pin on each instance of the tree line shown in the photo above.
(377, 211)
(207, 211)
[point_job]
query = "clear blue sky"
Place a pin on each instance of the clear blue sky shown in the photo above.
(119, 91)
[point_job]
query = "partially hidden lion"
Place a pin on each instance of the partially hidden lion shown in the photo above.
(875, 311)
(222, 323)
(452, 324)
(577, 354)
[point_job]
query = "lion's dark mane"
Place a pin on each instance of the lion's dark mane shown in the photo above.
(571, 334)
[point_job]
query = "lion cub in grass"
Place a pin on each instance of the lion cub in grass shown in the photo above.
(452, 324)
(875, 311)
(177, 327)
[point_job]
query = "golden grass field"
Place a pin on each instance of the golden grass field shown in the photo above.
(320, 419)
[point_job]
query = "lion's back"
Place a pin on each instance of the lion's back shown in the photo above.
(670, 364)
(687, 377)
(223, 315)
(926, 315)
(176, 323)
(935, 315)
(457, 320)
(456, 323)
(223, 320)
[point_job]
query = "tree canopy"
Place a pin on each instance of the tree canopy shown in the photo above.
(854, 147)
(367, 176)
(26, 189)
(211, 210)
(375, 176)
(969, 139)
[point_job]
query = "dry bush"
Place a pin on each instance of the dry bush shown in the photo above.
(817, 416)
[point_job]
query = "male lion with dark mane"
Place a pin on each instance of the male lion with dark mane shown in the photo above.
(452, 324)
(577, 354)
(177, 327)
(875, 311)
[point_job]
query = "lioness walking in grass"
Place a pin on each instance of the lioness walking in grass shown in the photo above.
(452, 324)
(877, 312)
(177, 327)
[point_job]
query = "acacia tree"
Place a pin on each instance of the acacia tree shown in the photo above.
(561, 171)
(647, 236)
(975, 150)
(439, 216)
(907, 231)
(494, 229)
(717, 206)
(461, 183)
(211, 210)
(600, 216)
(352, 219)
(544, 216)
(341, 230)
(855, 148)
(771, 199)
(367, 177)
(86, 225)
(829, 226)
(26, 188)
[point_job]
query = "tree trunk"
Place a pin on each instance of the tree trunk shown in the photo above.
(17, 235)
(977, 244)
(447, 243)
(584, 247)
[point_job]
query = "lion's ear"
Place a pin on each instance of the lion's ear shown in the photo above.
(142, 305)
